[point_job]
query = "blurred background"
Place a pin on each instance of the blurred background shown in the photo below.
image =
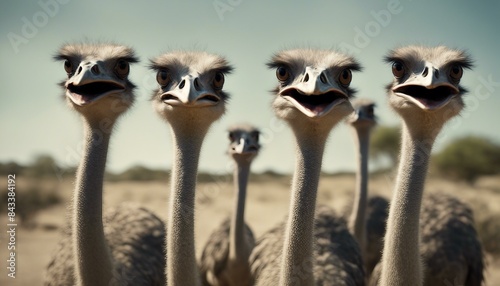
(41, 138)
(34, 120)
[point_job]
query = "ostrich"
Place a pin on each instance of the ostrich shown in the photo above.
(312, 247)
(190, 98)
(368, 216)
(426, 94)
(225, 257)
(125, 247)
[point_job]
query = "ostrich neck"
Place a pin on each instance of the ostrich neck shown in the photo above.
(297, 263)
(92, 255)
(401, 264)
(237, 242)
(181, 259)
(358, 214)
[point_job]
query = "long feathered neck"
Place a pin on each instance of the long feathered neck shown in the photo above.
(358, 214)
(237, 243)
(297, 261)
(92, 256)
(181, 260)
(401, 263)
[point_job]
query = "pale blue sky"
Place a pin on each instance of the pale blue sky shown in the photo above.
(34, 119)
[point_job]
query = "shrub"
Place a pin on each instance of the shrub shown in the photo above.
(489, 232)
(468, 158)
(139, 173)
(11, 168)
(385, 142)
(42, 166)
(30, 201)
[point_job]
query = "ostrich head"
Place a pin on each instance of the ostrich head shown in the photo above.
(426, 89)
(313, 87)
(364, 115)
(190, 94)
(97, 85)
(244, 142)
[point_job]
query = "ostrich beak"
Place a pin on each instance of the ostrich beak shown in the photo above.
(360, 117)
(90, 83)
(314, 95)
(191, 92)
(245, 147)
(429, 90)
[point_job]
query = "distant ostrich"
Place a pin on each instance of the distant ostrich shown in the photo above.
(426, 94)
(368, 216)
(190, 98)
(125, 247)
(313, 247)
(225, 257)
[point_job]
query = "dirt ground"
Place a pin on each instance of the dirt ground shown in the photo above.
(267, 204)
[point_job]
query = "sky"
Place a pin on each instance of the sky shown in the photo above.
(35, 120)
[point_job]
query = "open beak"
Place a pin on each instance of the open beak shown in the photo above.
(314, 95)
(190, 93)
(91, 84)
(430, 90)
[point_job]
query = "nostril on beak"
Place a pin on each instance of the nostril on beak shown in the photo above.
(95, 69)
(306, 78)
(322, 77)
(436, 73)
(79, 70)
(426, 71)
(182, 84)
(196, 84)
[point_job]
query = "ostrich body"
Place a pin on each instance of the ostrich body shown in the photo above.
(368, 216)
(125, 247)
(312, 247)
(190, 98)
(426, 94)
(225, 257)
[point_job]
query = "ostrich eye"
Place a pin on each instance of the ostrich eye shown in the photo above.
(345, 77)
(68, 66)
(398, 69)
(255, 136)
(456, 72)
(219, 80)
(282, 74)
(370, 111)
(162, 77)
(122, 68)
(231, 136)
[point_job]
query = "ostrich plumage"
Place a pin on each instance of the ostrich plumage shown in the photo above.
(337, 257)
(430, 240)
(224, 260)
(125, 245)
(134, 235)
(313, 246)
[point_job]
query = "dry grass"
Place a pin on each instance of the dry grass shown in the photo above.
(267, 204)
